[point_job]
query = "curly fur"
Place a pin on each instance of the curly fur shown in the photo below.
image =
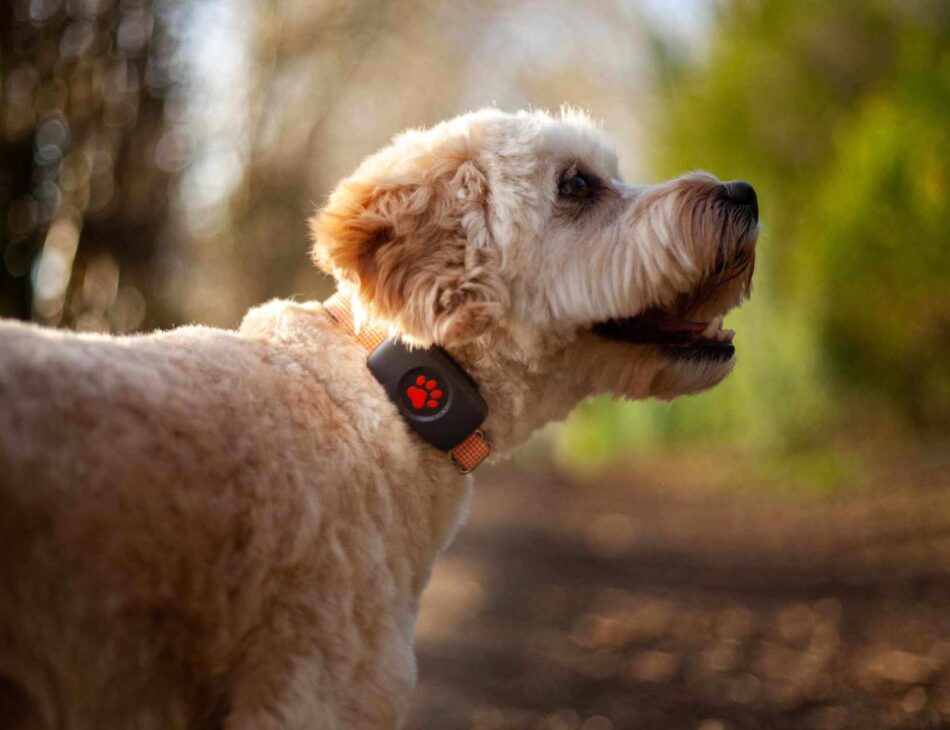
(205, 528)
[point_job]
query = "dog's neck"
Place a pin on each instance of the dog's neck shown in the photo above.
(521, 397)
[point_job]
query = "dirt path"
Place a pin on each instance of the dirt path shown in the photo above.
(631, 604)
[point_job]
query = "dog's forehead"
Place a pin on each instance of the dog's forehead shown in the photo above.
(574, 138)
(570, 137)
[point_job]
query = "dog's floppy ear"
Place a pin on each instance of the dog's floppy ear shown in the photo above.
(411, 236)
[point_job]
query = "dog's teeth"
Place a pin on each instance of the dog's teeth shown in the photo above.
(712, 327)
(726, 335)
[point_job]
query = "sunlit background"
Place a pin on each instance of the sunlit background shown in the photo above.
(775, 553)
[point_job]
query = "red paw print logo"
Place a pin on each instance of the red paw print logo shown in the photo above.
(425, 393)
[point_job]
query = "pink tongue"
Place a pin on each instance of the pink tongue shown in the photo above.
(666, 322)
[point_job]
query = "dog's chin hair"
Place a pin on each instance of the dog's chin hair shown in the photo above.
(685, 377)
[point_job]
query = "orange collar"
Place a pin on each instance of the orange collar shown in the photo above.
(469, 453)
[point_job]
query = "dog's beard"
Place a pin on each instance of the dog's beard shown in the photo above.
(690, 374)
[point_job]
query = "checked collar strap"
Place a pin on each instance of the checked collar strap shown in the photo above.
(435, 396)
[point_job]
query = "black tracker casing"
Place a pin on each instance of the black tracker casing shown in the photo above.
(436, 396)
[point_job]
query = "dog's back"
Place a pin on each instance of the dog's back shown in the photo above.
(114, 475)
(182, 520)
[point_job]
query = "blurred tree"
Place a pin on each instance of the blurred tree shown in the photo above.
(877, 248)
(250, 240)
(86, 153)
(167, 154)
(839, 113)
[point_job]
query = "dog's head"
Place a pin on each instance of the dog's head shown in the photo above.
(513, 235)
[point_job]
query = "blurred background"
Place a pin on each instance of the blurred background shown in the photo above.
(774, 553)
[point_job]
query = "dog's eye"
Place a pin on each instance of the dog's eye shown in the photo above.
(575, 185)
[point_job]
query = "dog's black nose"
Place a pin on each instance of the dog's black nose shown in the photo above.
(741, 193)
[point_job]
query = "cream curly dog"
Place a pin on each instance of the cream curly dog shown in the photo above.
(207, 528)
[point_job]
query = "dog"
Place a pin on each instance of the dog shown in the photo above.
(203, 528)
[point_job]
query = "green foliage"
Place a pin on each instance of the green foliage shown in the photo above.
(839, 113)
(880, 242)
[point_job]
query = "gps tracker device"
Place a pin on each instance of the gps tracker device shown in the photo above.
(436, 397)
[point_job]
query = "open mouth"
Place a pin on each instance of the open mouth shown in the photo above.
(679, 337)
